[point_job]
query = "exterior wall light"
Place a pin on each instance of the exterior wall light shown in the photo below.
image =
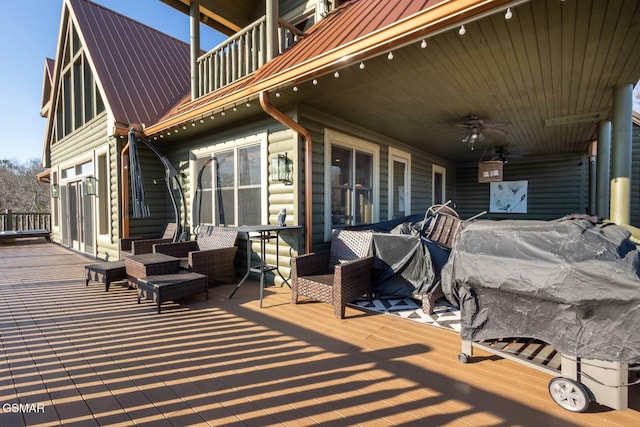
(55, 191)
(281, 169)
(90, 185)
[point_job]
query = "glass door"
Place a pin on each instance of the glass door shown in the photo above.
(75, 216)
(79, 218)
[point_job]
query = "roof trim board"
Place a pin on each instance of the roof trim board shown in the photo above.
(47, 86)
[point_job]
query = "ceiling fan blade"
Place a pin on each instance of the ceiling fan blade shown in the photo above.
(495, 131)
(496, 124)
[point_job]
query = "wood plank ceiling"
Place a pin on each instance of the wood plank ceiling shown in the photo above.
(226, 16)
(549, 71)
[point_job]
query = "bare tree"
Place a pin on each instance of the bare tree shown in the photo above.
(20, 189)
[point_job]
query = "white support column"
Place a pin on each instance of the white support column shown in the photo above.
(194, 13)
(272, 28)
(621, 154)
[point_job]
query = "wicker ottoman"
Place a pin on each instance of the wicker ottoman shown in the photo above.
(153, 264)
(169, 287)
(106, 272)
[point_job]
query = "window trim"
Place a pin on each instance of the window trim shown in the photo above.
(210, 150)
(403, 157)
(333, 137)
(97, 170)
(443, 171)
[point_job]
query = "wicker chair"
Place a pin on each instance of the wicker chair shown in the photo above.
(337, 277)
(212, 253)
(141, 245)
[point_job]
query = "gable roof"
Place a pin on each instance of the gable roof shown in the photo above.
(140, 71)
(356, 30)
(47, 86)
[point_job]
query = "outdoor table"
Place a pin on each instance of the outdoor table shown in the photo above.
(170, 287)
(152, 264)
(106, 272)
(263, 233)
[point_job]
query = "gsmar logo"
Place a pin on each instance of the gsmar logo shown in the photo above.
(24, 408)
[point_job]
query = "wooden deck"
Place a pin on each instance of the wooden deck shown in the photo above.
(89, 357)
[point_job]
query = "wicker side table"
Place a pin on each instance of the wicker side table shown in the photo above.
(150, 265)
(169, 287)
(106, 272)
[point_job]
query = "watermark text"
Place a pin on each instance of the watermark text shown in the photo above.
(23, 408)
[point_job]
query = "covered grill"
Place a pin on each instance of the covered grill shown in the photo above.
(573, 283)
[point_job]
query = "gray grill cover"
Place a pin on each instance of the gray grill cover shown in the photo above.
(573, 283)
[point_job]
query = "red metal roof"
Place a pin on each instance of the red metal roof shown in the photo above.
(141, 70)
(355, 20)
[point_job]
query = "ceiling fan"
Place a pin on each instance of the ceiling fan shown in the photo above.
(503, 154)
(475, 127)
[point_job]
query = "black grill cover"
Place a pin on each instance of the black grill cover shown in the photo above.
(405, 264)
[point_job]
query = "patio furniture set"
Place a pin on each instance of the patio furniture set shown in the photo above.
(163, 270)
(347, 272)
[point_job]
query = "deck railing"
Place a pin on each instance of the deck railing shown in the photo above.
(240, 55)
(17, 221)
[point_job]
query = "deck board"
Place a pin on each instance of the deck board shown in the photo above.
(96, 357)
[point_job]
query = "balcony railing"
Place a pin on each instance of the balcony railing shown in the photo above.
(17, 221)
(240, 55)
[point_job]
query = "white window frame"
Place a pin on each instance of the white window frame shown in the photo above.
(332, 137)
(104, 151)
(402, 157)
(211, 150)
(443, 171)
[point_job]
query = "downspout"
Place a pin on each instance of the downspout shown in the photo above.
(308, 187)
(603, 173)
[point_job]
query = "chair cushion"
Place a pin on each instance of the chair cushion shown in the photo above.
(210, 237)
(347, 245)
(325, 279)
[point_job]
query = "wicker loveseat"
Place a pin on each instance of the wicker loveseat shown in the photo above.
(212, 253)
(337, 277)
(142, 245)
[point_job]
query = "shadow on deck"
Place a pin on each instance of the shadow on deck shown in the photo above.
(90, 357)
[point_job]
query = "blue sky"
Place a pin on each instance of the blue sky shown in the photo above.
(29, 35)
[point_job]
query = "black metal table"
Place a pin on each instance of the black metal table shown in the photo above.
(263, 233)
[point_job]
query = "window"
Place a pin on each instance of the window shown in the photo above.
(399, 183)
(351, 181)
(439, 183)
(78, 100)
(55, 200)
(103, 194)
(228, 189)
